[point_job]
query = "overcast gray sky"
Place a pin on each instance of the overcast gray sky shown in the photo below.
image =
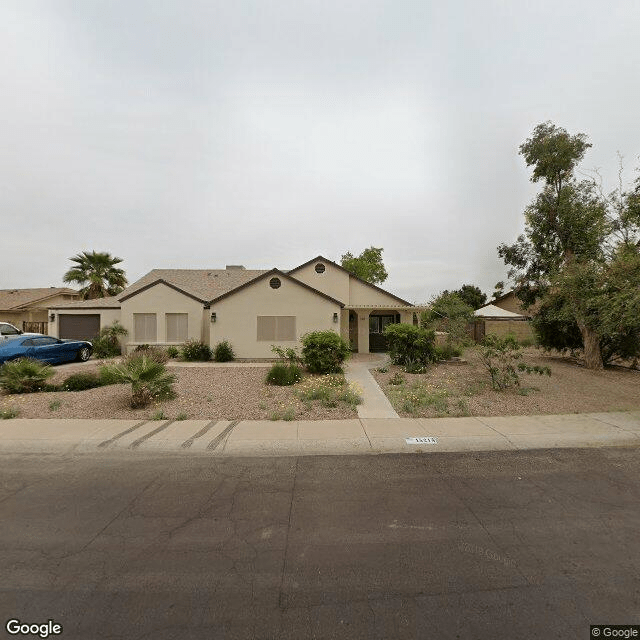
(196, 134)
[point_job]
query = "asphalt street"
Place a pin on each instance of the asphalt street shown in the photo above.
(505, 544)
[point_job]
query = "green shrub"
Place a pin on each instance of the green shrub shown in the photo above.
(287, 354)
(106, 375)
(324, 351)
(81, 381)
(181, 416)
(223, 352)
(502, 358)
(24, 375)
(410, 345)
(158, 415)
(397, 378)
(107, 343)
(448, 351)
(196, 351)
(8, 414)
(527, 342)
(284, 374)
(173, 352)
(55, 405)
(149, 378)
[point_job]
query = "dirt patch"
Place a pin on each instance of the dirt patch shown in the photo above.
(203, 393)
(458, 390)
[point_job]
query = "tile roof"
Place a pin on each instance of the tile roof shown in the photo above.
(16, 298)
(491, 311)
(205, 284)
(97, 303)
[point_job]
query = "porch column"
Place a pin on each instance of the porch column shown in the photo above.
(363, 330)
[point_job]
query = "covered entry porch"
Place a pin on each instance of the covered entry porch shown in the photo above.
(363, 325)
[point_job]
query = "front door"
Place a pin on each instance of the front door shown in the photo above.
(377, 324)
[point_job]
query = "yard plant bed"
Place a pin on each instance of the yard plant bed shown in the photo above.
(231, 393)
(465, 389)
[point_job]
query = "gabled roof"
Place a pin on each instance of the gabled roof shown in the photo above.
(341, 268)
(18, 298)
(491, 311)
(285, 276)
(199, 284)
(502, 297)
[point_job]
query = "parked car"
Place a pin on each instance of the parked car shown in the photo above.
(45, 348)
(7, 330)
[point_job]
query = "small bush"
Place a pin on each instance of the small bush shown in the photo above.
(287, 354)
(447, 351)
(324, 351)
(284, 374)
(502, 358)
(157, 354)
(173, 352)
(55, 405)
(181, 416)
(527, 342)
(24, 375)
(397, 378)
(158, 415)
(107, 343)
(410, 345)
(148, 378)
(196, 351)
(223, 352)
(8, 414)
(81, 381)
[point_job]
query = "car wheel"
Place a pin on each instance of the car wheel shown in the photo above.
(84, 354)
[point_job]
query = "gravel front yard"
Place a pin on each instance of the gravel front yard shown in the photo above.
(203, 393)
(465, 389)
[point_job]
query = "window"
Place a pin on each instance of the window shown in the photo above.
(377, 324)
(144, 327)
(275, 283)
(320, 268)
(42, 342)
(9, 330)
(276, 328)
(177, 324)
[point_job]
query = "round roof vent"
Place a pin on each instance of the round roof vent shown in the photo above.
(275, 283)
(320, 268)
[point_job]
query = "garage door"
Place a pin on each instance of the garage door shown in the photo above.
(78, 327)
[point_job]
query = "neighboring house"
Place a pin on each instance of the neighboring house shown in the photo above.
(252, 309)
(27, 308)
(509, 302)
(494, 319)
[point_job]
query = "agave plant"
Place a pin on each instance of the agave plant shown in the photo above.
(149, 378)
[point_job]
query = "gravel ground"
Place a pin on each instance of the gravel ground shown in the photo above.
(570, 389)
(204, 393)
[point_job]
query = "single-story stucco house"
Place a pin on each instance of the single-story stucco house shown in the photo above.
(27, 308)
(252, 309)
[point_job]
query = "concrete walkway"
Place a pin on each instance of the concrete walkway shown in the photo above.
(375, 404)
(345, 437)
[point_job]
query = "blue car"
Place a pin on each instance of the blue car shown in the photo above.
(45, 348)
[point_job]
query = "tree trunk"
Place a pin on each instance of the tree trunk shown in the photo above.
(592, 353)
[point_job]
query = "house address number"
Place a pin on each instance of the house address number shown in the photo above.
(423, 440)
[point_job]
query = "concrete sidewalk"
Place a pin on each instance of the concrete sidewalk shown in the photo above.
(339, 437)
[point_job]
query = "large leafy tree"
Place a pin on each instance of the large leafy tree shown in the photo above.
(471, 295)
(367, 266)
(576, 246)
(97, 274)
(448, 312)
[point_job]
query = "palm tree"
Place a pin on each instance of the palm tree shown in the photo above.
(97, 275)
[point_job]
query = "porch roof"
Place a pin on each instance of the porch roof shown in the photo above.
(416, 307)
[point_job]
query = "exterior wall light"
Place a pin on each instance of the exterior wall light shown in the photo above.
(52, 317)
(213, 317)
(335, 317)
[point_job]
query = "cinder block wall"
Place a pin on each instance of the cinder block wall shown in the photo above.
(520, 328)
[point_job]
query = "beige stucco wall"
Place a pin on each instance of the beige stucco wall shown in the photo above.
(334, 282)
(107, 316)
(360, 293)
(236, 316)
(520, 328)
(161, 299)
